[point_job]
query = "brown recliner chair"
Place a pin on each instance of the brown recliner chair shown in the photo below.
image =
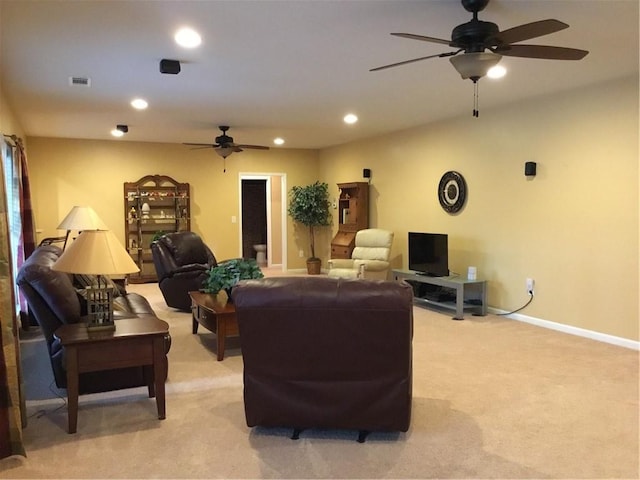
(325, 352)
(182, 261)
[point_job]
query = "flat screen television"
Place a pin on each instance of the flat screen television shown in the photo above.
(429, 254)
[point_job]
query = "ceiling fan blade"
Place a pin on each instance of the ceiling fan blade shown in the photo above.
(447, 54)
(527, 32)
(201, 145)
(255, 147)
(541, 51)
(423, 38)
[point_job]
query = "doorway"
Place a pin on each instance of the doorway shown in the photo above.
(262, 217)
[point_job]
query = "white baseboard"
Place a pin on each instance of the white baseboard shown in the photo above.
(580, 332)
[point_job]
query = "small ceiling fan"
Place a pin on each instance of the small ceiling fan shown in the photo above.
(224, 145)
(472, 40)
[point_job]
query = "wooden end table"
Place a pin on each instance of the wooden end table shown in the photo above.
(137, 341)
(216, 314)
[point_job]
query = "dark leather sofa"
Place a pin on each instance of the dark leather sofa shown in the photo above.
(329, 353)
(182, 261)
(54, 300)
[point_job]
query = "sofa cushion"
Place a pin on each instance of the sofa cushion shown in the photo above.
(133, 303)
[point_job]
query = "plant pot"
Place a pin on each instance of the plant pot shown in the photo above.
(313, 266)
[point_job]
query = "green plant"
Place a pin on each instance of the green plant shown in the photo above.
(310, 206)
(226, 274)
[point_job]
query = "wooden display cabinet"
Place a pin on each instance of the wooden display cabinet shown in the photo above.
(154, 205)
(353, 215)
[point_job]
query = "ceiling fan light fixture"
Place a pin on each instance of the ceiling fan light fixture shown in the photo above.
(224, 152)
(474, 65)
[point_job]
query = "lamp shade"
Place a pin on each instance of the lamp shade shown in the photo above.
(96, 252)
(474, 65)
(82, 218)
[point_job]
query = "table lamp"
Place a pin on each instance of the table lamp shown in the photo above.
(81, 218)
(97, 252)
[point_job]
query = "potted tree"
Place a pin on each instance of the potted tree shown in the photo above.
(310, 206)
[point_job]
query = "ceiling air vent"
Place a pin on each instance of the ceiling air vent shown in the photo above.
(80, 81)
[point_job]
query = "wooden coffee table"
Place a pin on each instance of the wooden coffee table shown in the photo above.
(137, 341)
(216, 314)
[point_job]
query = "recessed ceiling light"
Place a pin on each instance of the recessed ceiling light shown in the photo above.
(497, 71)
(117, 133)
(187, 38)
(139, 103)
(278, 141)
(350, 118)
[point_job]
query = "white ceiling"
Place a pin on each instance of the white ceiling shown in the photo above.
(281, 68)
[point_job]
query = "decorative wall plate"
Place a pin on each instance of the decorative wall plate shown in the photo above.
(452, 192)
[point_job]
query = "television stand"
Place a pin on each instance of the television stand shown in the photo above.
(452, 293)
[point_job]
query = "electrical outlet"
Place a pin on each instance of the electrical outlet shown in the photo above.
(530, 285)
(301, 253)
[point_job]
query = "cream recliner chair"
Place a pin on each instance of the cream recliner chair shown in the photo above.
(369, 259)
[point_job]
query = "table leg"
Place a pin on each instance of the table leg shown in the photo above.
(72, 387)
(159, 369)
(194, 319)
(459, 303)
(221, 333)
(483, 289)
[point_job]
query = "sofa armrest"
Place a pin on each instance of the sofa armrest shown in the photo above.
(133, 303)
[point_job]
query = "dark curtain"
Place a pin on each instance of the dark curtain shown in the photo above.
(27, 243)
(11, 400)
(26, 212)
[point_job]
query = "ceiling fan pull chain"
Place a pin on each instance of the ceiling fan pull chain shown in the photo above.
(476, 112)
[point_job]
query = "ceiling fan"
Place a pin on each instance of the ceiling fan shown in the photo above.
(474, 38)
(224, 145)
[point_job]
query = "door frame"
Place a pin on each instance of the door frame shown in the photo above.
(283, 189)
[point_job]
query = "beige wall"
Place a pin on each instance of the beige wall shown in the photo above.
(9, 125)
(275, 197)
(68, 172)
(573, 228)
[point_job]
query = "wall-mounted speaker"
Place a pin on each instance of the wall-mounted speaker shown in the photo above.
(169, 66)
(366, 173)
(530, 169)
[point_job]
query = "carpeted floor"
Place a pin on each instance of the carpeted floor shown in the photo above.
(492, 398)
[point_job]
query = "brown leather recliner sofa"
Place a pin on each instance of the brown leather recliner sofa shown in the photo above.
(182, 261)
(328, 353)
(54, 300)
